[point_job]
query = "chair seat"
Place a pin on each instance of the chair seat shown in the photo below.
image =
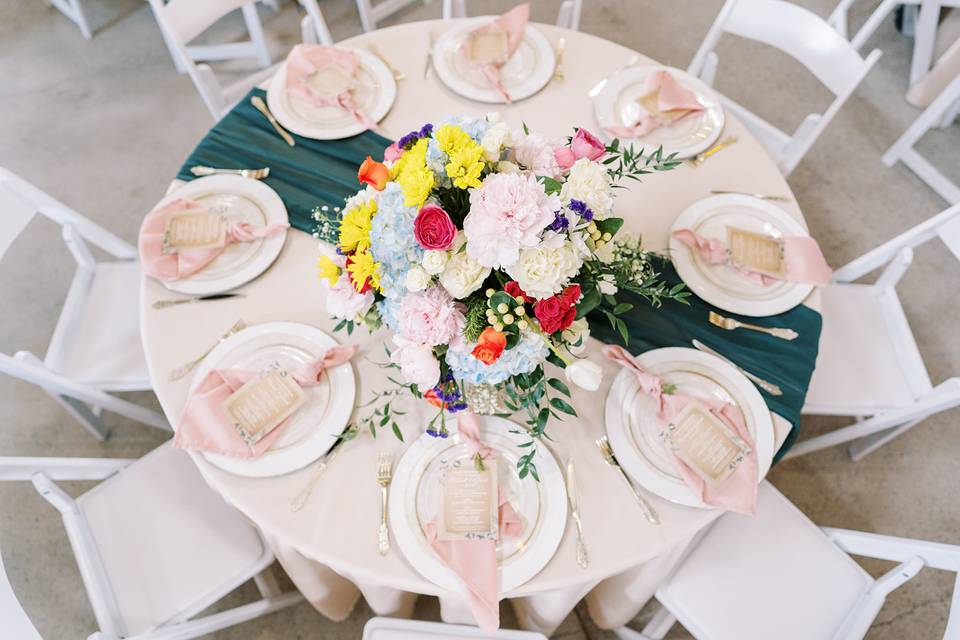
(169, 544)
(396, 629)
(772, 575)
(861, 367)
(103, 347)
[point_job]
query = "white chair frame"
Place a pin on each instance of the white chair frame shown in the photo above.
(894, 256)
(15, 619)
(73, 10)
(43, 472)
(805, 37)
(371, 13)
(377, 627)
(219, 100)
(568, 17)
(84, 401)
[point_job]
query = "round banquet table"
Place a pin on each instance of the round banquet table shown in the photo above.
(329, 548)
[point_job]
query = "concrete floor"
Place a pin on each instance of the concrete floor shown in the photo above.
(105, 124)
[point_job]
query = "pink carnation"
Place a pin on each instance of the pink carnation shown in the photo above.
(536, 153)
(431, 317)
(507, 212)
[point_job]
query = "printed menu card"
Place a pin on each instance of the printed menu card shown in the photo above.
(705, 443)
(469, 502)
(756, 252)
(256, 408)
(195, 229)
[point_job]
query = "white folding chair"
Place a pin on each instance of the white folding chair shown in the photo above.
(805, 37)
(869, 364)
(95, 347)
(183, 20)
(14, 618)
(154, 544)
(371, 13)
(778, 575)
(568, 17)
(397, 629)
(73, 10)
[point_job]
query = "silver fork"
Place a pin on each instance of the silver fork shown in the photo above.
(256, 174)
(648, 511)
(729, 324)
(384, 475)
(187, 367)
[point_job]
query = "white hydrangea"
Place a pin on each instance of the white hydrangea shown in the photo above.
(589, 183)
(544, 270)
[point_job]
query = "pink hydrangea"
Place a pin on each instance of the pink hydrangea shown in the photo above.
(508, 212)
(431, 317)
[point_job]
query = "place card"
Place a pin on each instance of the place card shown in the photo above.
(194, 229)
(756, 252)
(651, 104)
(469, 502)
(330, 80)
(705, 443)
(488, 46)
(259, 406)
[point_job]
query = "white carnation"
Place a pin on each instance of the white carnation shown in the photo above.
(463, 275)
(543, 271)
(434, 261)
(417, 279)
(589, 183)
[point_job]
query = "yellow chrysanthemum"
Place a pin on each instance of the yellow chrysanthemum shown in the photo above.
(362, 266)
(329, 271)
(416, 180)
(451, 138)
(355, 227)
(465, 166)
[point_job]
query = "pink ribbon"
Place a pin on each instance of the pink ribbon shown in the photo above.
(204, 426)
(305, 59)
(739, 491)
(514, 24)
(475, 561)
(803, 259)
(672, 97)
(174, 266)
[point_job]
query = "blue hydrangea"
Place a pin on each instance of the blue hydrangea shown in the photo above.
(391, 239)
(523, 358)
(389, 309)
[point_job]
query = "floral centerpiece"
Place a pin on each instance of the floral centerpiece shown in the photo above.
(483, 249)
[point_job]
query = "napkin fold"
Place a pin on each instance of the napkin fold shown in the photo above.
(673, 99)
(205, 427)
(514, 24)
(804, 260)
(475, 561)
(174, 266)
(739, 491)
(306, 59)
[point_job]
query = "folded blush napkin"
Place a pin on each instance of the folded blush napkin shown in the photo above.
(205, 427)
(174, 266)
(325, 77)
(739, 491)
(803, 260)
(673, 103)
(475, 561)
(513, 24)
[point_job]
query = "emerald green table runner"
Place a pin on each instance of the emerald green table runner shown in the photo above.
(310, 174)
(786, 363)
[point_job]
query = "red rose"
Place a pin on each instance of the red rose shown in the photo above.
(513, 288)
(433, 228)
(373, 173)
(558, 312)
(490, 346)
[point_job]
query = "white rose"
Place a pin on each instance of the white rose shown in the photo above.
(542, 271)
(434, 261)
(463, 275)
(589, 183)
(586, 374)
(417, 279)
(494, 139)
(576, 336)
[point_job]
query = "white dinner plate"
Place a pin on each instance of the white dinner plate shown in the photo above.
(373, 94)
(722, 285)
(240, 200)
(634, 430)
(415, 497)
(617, 106)
(313, 429)
(527, 71)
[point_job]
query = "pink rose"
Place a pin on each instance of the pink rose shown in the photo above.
(565, 158)
(391, 153)
(586, 145)
(434, 229)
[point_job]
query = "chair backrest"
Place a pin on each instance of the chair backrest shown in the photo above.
(14, 619)
(568, 16)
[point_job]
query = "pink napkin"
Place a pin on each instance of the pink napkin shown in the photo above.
(736, 493)
(804, 261)
(475, 561)
(514, 24)
(672, 97)
(173, 266)
(204, 426)
(306, 59)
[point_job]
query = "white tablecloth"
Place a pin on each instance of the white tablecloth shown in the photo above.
(330, 547)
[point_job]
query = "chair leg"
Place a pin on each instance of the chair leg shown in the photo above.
(255, 29)
(865, 446)
(626, 633)
(267, 584)
(951, 115)
(660, 624)
(924, 40)
(81, 19)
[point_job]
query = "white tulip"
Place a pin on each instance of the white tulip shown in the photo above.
(586, 374)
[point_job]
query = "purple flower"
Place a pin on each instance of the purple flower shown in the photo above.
(560, 222)
(411, 138)
(581, 207)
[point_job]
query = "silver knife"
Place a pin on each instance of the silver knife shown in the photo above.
(573, 496)
(769, 387)
(163, 304)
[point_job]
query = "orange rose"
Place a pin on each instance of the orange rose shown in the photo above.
(373, 173)
(490, 346)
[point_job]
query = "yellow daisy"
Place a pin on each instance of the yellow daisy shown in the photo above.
(329, 271)
(465, 166)
(355, 227)
(362, 266)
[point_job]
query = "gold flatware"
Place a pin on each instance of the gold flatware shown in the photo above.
(558, 57)
(729, 323)
(397, 74)
(163, 304)
(597, 88)
(648, 511)
(187, 367)
(261, 106)
(428, 64)
(700, 158)
(769, 387)
(759, 196)
(384, 475)
(256, 174)
(300, 500)
(573, 497)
